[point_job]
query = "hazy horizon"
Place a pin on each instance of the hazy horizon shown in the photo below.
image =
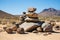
(16, 7)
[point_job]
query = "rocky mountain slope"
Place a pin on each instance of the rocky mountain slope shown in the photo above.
(50, 12)
(6, 15)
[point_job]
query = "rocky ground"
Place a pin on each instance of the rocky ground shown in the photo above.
(29, 36)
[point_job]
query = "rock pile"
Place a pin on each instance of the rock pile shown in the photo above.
(31, 21)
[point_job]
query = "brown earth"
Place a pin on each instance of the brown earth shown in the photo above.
(29, 36)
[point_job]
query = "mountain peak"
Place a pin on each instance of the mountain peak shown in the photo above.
(1, 11)
(49, 10)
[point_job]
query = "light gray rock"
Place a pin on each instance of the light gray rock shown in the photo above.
(28, 25)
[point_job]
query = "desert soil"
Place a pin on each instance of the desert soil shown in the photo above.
(29, 36)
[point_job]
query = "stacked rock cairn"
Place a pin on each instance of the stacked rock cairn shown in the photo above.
(31, 21)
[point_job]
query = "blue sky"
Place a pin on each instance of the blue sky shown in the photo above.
(16, 7)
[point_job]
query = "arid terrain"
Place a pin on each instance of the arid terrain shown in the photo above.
(30, 36)
(29, 20)
(8, 18)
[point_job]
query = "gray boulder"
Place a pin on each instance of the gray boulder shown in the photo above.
(29, 26)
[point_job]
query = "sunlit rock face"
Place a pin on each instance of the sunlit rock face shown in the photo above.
(27, 25)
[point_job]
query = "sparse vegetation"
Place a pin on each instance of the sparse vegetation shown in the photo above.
(55, 18)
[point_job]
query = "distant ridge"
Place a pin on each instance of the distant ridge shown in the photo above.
(6, 15)
(50, 12)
